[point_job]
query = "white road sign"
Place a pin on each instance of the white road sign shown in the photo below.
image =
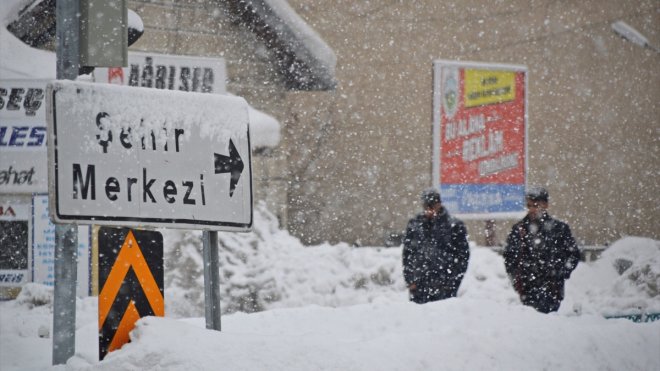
(144, 157)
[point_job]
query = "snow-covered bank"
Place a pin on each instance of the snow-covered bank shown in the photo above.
(344, 308)
(456, 334)
(269, 269)
(624, 280)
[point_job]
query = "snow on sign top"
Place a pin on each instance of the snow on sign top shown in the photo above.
(144, 157)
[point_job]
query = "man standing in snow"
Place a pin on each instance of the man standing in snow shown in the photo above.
(435, 252)
(540, 255)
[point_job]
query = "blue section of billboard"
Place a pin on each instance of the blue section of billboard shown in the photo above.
(483, 198)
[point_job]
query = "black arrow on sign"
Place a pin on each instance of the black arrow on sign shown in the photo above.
(230, 164)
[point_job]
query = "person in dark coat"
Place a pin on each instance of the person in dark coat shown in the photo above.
(540, 255)
(435, 252)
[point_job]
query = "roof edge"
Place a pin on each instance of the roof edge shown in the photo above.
(303, 57)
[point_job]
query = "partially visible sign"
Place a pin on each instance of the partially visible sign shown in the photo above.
(480, 120)
(147, 157)
(168, 72)
(23, 162)
(131, 283)
(43, 249)
(14, 242)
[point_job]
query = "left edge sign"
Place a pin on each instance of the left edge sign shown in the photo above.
(144, 157)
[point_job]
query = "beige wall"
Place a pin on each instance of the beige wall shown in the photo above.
(352, 161)
(594, 120)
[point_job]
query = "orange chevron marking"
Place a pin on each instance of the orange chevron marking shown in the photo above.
(126, 324)
(129, 256)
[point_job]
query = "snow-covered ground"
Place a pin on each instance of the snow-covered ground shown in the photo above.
(290, 307)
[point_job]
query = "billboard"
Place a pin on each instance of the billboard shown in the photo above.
(480, 129)
(23, 163)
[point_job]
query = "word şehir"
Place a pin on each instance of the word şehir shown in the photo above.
(105, 137)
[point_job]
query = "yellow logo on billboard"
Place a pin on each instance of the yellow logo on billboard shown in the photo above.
(484, 87)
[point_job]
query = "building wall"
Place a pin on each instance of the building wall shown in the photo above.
(353, 161)
(594, 119)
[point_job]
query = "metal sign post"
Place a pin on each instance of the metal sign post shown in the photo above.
(64, 302)
(211, 280)
(66, 236)
(74, 27)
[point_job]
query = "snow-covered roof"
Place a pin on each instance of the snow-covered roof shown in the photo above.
(307, 62)
(18, 60)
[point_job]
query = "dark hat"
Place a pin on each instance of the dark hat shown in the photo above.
(539, 194)
(430, 197)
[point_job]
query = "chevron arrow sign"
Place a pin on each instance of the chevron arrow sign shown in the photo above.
(130, 283)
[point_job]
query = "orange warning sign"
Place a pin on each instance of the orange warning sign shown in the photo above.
(131, 283)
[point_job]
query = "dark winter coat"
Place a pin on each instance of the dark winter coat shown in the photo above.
(539, 257)
(435, 256)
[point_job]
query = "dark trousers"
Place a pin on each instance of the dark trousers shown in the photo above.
(425, 294)
(544, 299)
